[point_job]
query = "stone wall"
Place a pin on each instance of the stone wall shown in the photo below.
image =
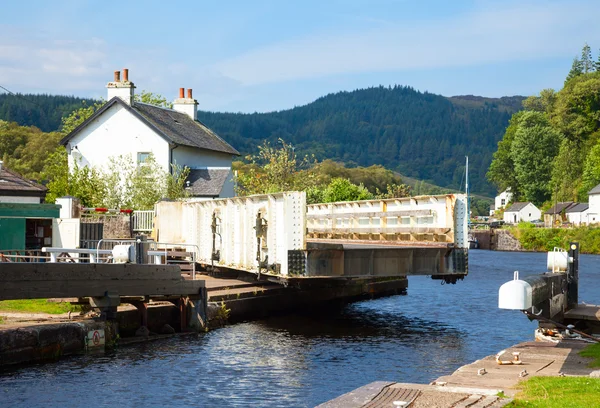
(505, 241)
(115, 226)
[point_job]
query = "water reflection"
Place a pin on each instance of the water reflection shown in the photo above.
(303, 359)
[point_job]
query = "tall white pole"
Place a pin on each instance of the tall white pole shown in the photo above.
(467, 191)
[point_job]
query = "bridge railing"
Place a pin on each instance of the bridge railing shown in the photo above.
(23, 255)
(439, 218)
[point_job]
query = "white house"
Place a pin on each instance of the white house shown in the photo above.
(16, 189)
(502, 199)
(521, 212)
(593, 215)
(174, 136)
(578, 214)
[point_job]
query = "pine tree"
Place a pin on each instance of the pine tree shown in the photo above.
(587, 64)
(598, 63)
(576, 70)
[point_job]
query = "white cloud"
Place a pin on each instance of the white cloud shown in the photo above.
(36, 63)
(496, 33)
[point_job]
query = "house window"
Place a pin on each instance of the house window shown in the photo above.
(503, 201)
(142, 157)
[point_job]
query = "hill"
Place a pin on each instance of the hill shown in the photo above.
(42, 111)
(420, 135)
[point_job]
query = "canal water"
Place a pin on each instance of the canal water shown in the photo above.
(302, 360)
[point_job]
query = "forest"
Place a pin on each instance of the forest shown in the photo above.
(419, 135)
(42, 111)
(550, 151)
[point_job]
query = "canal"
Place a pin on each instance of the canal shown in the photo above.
(304, 359)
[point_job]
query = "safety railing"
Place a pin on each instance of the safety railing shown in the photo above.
(143, 221)
(23, 255)
(71, 254)
(170, 253)
(99, 250)
(424, 218)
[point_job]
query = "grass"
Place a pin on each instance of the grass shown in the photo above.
(37, 306)
(593, 351)
(558, 392)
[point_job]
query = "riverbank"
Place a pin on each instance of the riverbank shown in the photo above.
(483, 383)
(37, 337)
(527, 237)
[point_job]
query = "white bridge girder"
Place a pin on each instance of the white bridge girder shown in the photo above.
(268, 233)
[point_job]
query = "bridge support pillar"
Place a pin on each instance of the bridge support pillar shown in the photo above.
(107, 305)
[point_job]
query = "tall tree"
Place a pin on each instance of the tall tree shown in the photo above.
(502, 171)
(576, 70)
(587, 63)
(542, 103)
(152, 99)
(591, 171)
(78, 116)
(576, 112)
(533, 150)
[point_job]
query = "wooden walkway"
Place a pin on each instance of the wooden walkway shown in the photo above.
(220, 289)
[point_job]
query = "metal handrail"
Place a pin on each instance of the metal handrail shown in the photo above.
(118, 241)
(194, 253)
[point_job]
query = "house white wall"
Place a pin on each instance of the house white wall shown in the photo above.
(202, 159)
(117, 132)
(502, 199)
(594, 203)
(528, 213)
(578, 218)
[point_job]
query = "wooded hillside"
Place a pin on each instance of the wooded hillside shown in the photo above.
(420, 135)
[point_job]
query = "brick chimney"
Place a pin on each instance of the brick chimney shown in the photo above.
(123, 88)
(188, 105)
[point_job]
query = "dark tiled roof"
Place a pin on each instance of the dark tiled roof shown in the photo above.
(175, 127)
(516, 207)
(560, 207)
(580, 207)
(595, 190)
(13, 184)
(207, 182)
(182, 130)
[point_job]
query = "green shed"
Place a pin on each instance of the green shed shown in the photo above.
(26, 226)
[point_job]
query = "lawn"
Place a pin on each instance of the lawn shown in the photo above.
(593, 351)
(558, 392)
(37, 306)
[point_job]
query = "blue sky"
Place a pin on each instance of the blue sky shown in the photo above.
(264, 55)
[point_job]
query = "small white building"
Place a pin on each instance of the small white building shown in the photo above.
(502, 199)
(521, 212)
(173, 136)
(578, 214)
(593, 214)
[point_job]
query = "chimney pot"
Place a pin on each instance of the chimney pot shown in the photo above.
(181, 93)
(190, 94)
(125, 74)
(117, 76)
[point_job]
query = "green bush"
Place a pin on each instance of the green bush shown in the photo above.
(545, 239)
